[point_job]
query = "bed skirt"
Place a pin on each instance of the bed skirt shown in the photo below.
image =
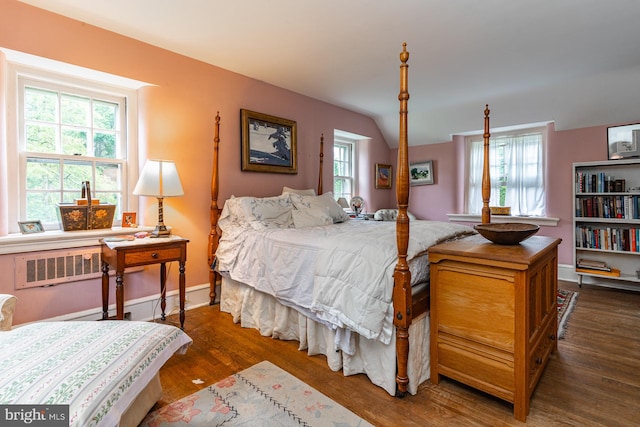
(254, 309)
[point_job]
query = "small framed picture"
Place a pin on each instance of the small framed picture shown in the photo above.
(421, 173)
(623, 141)
(129, 219)
(28, 227)
(383, 176)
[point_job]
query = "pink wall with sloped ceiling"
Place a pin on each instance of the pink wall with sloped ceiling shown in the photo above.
(176, 121)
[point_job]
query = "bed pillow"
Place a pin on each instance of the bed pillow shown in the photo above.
(310, 218)
(323, 203)
(267, 212)
(258, 213)
(308, 192)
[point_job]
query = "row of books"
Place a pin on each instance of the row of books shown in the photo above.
(608, 238)
(623, 207)
(587, 182)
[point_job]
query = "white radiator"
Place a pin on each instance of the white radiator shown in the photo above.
(54, 267)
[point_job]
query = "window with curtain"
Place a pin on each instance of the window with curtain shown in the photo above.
(516, 163)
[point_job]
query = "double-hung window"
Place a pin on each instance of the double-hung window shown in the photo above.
(343, 169)
(64, 129)
(517, 171)
(67, 136)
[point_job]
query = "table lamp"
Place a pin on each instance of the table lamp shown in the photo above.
(159, 178)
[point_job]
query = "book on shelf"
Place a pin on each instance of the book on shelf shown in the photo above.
(613, 272)
(593, 264)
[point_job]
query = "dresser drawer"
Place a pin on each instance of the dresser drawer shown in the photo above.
(151, 256)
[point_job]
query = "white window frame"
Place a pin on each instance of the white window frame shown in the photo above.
(18, 66)
(350, 145)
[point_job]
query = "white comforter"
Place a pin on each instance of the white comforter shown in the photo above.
(97, 368)
(340, 275)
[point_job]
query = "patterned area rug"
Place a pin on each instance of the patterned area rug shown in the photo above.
(262, 395)
(566, 303)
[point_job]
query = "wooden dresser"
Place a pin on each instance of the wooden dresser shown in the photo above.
(493, 315)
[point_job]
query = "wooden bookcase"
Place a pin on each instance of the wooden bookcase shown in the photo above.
(606, 222)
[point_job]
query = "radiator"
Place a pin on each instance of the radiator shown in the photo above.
(54, 267)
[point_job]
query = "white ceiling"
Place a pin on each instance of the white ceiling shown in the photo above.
(575, 62)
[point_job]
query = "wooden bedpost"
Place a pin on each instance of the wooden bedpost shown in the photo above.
(486, 180)
(402, 301)
(321, 162)
(214, 214)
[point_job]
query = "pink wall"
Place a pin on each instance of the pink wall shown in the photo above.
(176, 121)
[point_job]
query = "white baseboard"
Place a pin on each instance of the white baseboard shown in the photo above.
(567, 272)
(147, 308)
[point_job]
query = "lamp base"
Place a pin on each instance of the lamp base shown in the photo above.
(160, 231)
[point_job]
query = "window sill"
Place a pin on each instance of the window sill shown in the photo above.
(537, 220)
(50, 240)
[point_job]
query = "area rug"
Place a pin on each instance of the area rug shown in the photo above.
(566, 304)
(262, 395)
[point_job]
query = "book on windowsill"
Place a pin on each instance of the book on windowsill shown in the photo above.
(614, 272)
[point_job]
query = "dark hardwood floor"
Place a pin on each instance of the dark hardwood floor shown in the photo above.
(593, 379)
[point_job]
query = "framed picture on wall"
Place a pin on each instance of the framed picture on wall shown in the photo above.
(623, 141)
(269, 143)
(383, 176)
(421, 173)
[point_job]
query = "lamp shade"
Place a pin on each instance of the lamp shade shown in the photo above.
(159, 178)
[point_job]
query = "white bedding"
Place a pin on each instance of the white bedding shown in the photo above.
(98, 368)
(340, 275)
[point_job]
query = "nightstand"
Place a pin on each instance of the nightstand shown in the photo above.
(140, 252)
(494, 315)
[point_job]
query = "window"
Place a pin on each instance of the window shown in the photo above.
(67, 136)
(66, 125)
(343, 169)
(516, 163)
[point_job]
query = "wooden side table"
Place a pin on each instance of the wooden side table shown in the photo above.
(494, 315)
(124, 254)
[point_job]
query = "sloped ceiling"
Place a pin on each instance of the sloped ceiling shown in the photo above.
(574, 62)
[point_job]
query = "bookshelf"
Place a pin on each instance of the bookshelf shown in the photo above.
(606, 223)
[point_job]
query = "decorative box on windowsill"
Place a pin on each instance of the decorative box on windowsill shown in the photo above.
(73, 217)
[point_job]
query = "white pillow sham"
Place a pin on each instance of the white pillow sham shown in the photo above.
(259, 212)
(307, 192)
(322, 204)
(310, 218)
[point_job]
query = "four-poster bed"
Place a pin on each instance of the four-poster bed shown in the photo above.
(392, 349)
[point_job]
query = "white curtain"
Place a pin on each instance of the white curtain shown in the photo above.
(520, 160)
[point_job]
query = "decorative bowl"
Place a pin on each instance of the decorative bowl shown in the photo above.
(507, 233)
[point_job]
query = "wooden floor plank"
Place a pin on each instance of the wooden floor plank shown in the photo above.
(593, 379)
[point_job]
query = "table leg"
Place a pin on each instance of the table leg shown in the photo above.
(120, 294)
(105, 291)
(182, 294)
(163, 290)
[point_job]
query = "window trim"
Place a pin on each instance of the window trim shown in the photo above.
(20, 66)
(354, 176)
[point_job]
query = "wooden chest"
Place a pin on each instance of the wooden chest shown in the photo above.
(494, 315)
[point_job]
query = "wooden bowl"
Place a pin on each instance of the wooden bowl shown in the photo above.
(507, 233)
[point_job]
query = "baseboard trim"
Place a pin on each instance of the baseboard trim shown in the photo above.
(147, 308)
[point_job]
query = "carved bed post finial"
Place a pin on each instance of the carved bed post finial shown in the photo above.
(321, 162)
(402, 299)
(214, 214)
(486, 180)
